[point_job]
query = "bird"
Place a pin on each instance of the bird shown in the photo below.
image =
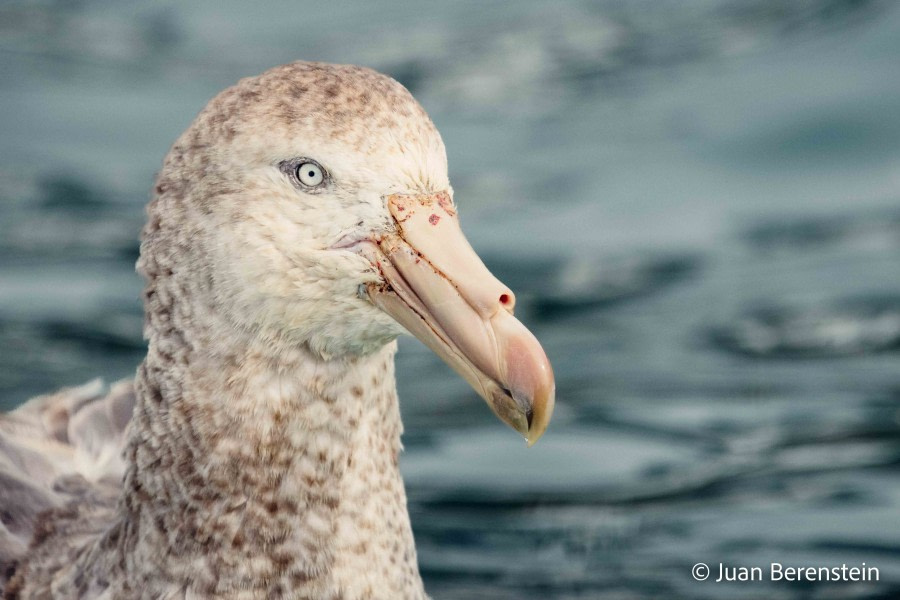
(301, 223)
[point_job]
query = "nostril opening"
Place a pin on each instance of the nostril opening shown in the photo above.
(504, 298)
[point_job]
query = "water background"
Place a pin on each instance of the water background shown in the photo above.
(698, 203)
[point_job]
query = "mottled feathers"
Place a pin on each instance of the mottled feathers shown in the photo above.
(59, 454)
(261, 458)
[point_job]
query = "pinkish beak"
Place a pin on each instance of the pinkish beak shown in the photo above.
(440, 291)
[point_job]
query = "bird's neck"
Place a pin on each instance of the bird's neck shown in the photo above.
(271, 473)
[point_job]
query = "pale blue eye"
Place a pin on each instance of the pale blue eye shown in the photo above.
(310, 174)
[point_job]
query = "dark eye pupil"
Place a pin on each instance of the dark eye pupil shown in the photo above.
(311, 173)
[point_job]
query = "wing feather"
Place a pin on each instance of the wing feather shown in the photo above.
(55, 449)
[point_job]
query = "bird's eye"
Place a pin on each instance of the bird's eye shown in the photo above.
(305, 173)
(310, 174)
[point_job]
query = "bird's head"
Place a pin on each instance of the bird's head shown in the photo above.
(312, 205)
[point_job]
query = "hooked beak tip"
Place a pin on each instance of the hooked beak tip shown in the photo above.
(538, 416)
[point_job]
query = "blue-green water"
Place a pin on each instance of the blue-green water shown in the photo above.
(698, 204)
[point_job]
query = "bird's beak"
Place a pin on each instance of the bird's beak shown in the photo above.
(438, 289)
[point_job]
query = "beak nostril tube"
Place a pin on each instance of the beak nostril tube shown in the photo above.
(508, 301)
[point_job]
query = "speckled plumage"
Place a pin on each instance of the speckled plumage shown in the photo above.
(261, 460)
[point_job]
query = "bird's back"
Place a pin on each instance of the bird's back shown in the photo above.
(61, 469)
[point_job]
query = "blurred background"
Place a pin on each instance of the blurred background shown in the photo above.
(698, 203)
